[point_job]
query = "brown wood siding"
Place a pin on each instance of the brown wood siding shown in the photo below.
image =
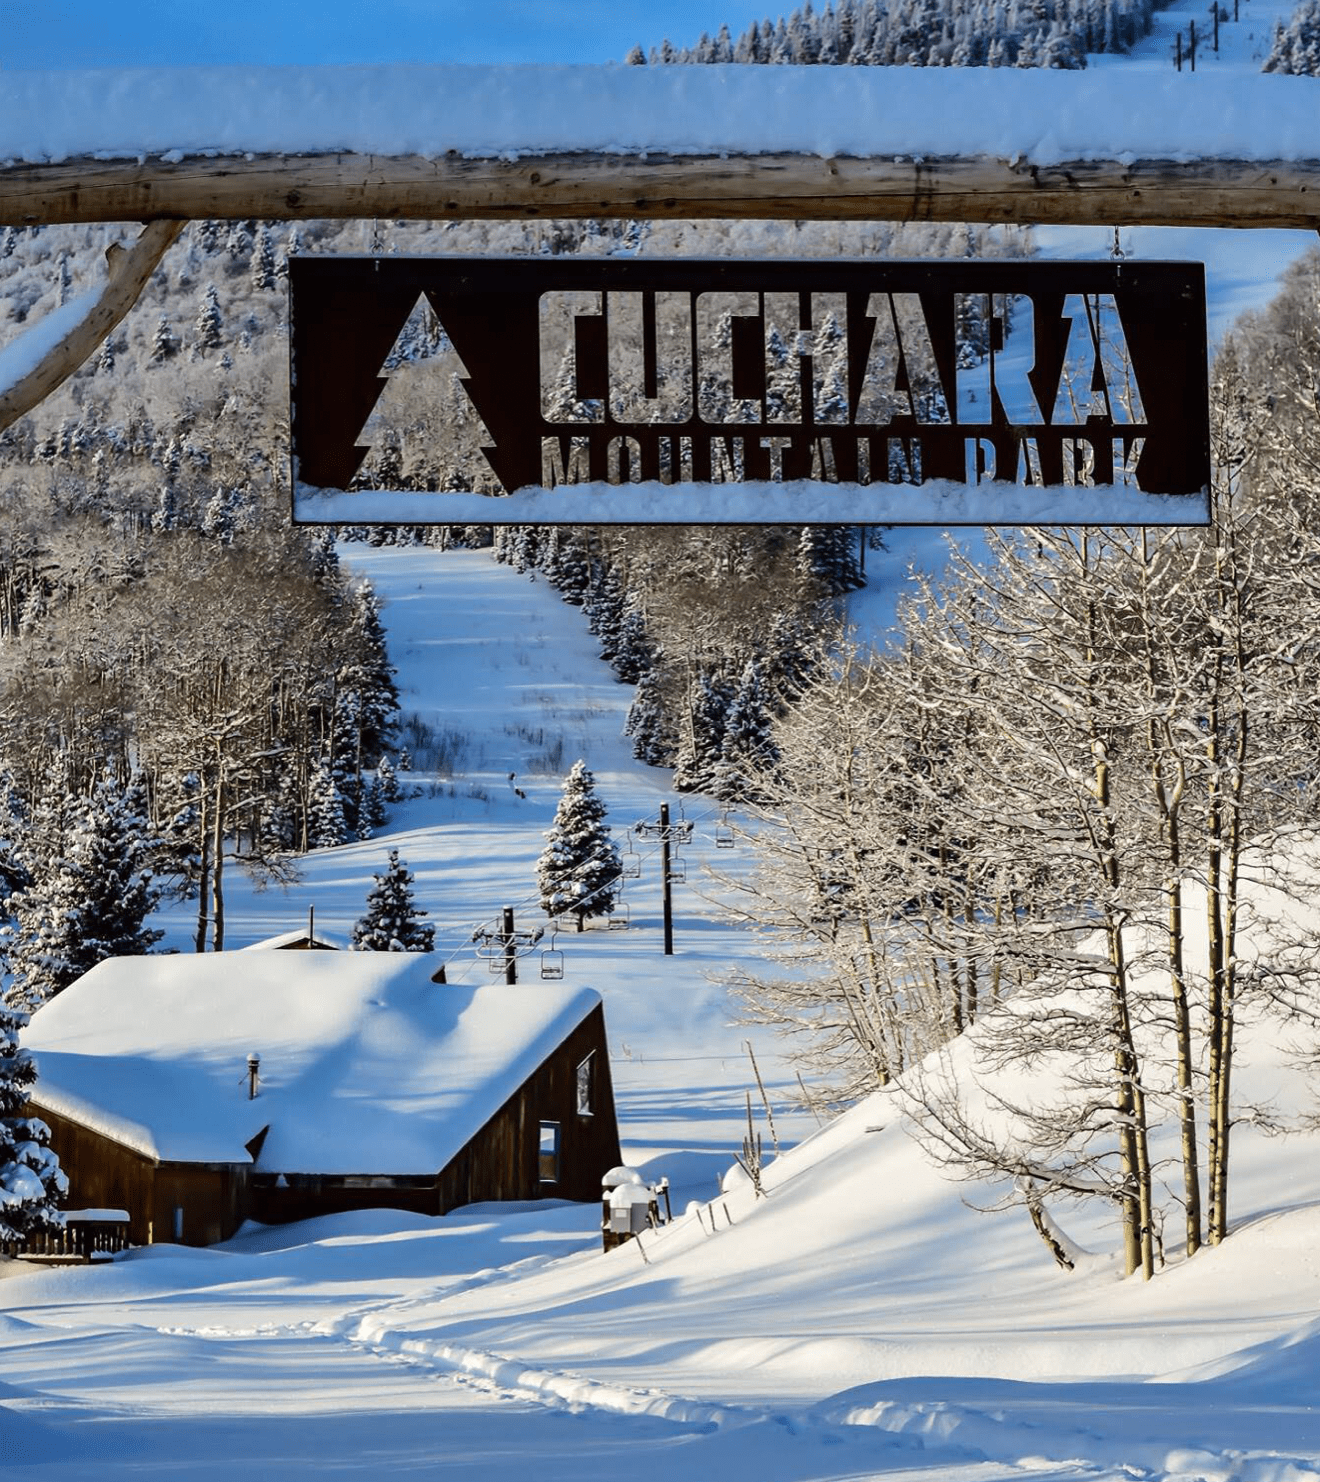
(104, 1174)
(501, 1162)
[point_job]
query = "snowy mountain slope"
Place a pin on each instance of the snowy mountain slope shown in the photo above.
(792, 1338)
(504, 678)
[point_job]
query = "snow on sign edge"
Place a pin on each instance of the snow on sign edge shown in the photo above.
(935, 502)
(501, 112)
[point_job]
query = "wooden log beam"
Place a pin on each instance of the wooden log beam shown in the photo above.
(791, 187)
(128, 271)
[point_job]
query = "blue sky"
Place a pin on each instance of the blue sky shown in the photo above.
(154, 33)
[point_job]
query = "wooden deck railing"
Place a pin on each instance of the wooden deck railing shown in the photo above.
(86, 1235)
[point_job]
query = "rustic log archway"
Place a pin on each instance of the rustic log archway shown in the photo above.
(1093, 192)
(165, 193)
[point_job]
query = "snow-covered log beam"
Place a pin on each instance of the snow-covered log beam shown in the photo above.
(48, 353)
(1209, 192)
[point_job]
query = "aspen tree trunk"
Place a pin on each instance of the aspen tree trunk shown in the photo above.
(218, 864)
(1169, 779)
(204, 873)
(1226, 859)
(1134, 1147)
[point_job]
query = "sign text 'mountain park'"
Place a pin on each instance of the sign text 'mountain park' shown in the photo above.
(620, 373)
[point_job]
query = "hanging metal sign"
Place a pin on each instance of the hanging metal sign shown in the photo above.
(634, 391)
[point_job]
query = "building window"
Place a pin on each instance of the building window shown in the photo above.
(549, 1152)
(586, 1073)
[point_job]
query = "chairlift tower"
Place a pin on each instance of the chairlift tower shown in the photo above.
(499, 946)
(668, 833)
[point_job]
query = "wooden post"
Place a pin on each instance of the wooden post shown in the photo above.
(1191, 47)
(1214, 11)
(664, 874)
(128, 271)
(1177, 51)
(510, 947)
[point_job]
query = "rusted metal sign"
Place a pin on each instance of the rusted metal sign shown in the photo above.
(624, 391)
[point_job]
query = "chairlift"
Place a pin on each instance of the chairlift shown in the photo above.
(630, 864)
(552, 964)
(677, 871)
(724, 834)
(618, 918)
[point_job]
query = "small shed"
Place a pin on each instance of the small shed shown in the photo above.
(198, 1091)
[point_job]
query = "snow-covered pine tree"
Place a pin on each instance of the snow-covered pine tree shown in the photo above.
(749, 744)
(579, 869)
(89, 899)
(649, 724)
(326, 824)
(261, 274)
(634, 653)
(371, 815)
(1296, 48)
(393, 919)
(208, 328)
(701, 749)
(388, 777)
(164, 343)
(13, 873)
(31, 1180)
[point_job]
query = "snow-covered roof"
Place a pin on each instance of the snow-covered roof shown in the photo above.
(1036, 115)
(286, 939)
(366, 1066)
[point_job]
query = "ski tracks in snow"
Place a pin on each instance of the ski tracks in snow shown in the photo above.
(928, 1431)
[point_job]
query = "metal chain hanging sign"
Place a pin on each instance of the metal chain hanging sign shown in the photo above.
(637, 391)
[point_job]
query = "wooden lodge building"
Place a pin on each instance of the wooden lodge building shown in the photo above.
(198, 1091)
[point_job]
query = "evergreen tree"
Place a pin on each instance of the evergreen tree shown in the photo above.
(208, 328)
(89, 898)
(634, 653)
(30, 1177)
(654, 736)
(388, 777)
(13, 874)
(748, 744)
(327, 825)
(702, 748)
(393, 919)
(371, 815)
(164, 343)
(579, 869)
(262, 272)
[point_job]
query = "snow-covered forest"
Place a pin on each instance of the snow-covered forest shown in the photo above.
(956, 34)
(997, 938)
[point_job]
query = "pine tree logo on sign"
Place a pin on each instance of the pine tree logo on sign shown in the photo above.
(635, 377)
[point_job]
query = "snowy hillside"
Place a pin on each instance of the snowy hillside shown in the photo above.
(779, 1338)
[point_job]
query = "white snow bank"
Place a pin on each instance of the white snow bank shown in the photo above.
(1036, 115)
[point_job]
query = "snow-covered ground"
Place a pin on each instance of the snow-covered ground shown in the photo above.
(861, 1321)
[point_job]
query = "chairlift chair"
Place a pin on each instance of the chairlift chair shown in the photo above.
(618, 918)
(724, 835)
(552, 960)
(677, 871)
(630, 864)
